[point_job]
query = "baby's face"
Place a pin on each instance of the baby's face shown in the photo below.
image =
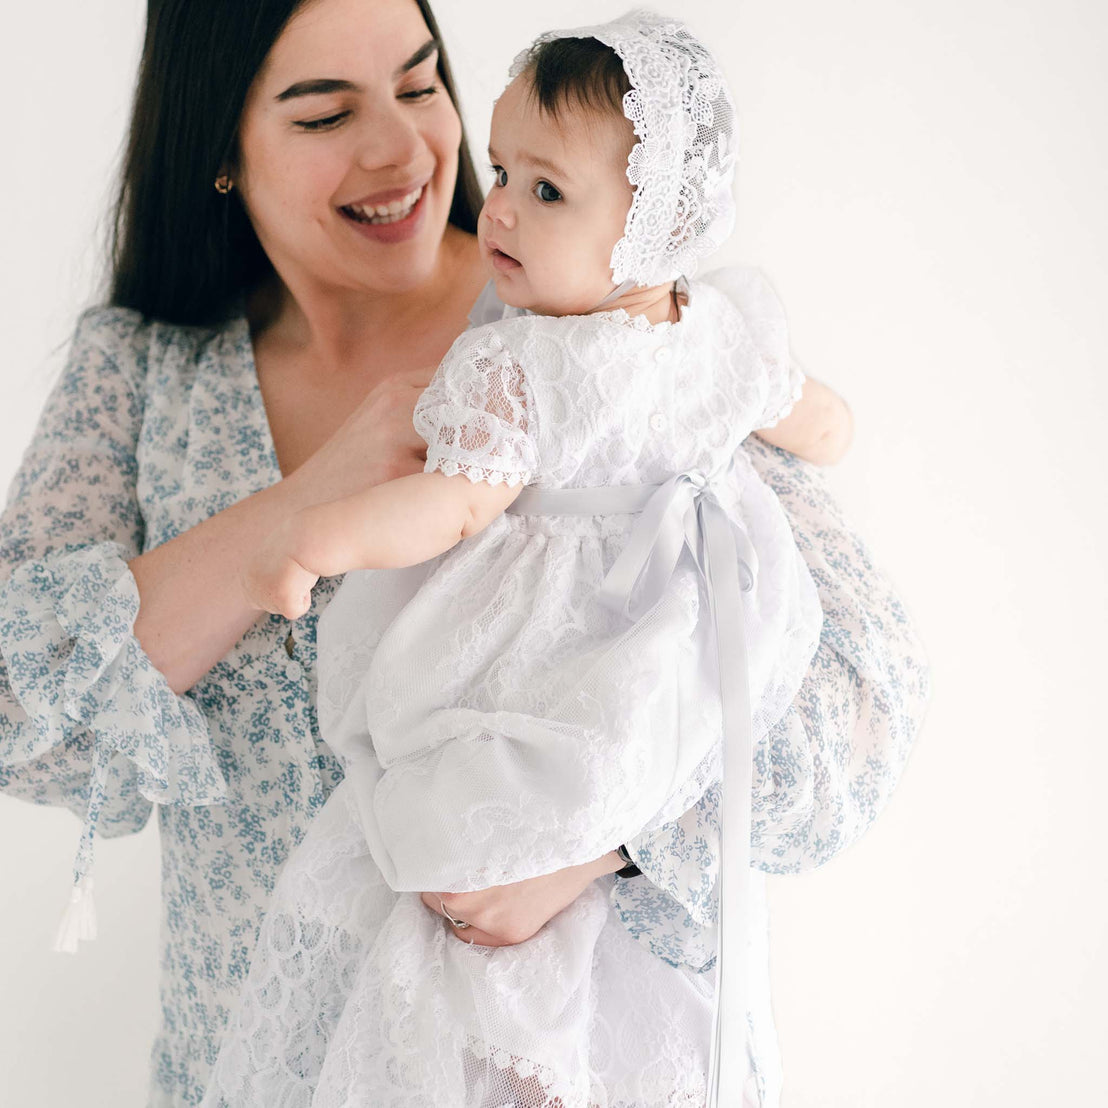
(558, 205)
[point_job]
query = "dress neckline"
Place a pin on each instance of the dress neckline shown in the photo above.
(641, 324)
(244, 341)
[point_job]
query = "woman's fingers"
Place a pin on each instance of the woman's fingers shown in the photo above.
(376, 443)
(471, 934)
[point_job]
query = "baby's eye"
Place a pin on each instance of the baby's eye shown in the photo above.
(547, 193)
(500, 175)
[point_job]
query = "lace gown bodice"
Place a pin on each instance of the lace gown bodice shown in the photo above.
(513, 724)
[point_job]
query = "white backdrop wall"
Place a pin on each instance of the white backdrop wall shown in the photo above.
(924, 182)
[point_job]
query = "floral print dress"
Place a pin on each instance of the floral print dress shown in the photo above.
(153, 428)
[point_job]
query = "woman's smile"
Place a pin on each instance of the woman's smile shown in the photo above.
(388, 220)
(386, 207)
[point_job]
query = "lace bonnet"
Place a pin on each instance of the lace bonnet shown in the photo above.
(684, 161)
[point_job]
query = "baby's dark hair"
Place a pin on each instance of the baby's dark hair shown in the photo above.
(565, 73)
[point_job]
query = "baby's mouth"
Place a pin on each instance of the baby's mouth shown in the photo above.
(503, 261)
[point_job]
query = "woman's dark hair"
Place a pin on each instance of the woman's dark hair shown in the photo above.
(180, 252)
(576, 72)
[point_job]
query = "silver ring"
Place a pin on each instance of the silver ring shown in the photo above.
(460, 924)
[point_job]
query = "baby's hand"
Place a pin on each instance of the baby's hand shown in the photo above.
(276, 582)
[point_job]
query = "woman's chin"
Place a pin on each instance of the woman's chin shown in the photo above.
(405, 267)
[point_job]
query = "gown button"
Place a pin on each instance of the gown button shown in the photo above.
(662, 354)
(294, 671)
(657, 422)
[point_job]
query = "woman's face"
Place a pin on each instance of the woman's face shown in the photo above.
(348, 148)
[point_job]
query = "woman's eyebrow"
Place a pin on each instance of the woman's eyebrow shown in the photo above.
(320, 86)
(431, 46)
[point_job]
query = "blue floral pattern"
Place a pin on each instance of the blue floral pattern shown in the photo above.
(152, 429)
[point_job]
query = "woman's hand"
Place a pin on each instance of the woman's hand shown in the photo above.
(508, 914)
(376, 443)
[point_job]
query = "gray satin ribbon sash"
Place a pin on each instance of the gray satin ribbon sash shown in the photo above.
(681, 513)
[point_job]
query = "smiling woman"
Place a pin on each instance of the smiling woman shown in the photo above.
(290, 139)
(295, 252)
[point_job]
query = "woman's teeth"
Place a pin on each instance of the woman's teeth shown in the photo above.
(392, 212)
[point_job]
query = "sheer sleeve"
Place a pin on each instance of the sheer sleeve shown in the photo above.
(477, 415)
(86, 721)
(829, 766)
(764, 317)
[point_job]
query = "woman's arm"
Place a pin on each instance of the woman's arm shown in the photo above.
(85, 720)
(193, 607)
(829, 766)
(397, 524)
(99, 639)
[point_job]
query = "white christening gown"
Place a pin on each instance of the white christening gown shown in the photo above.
(506, 723)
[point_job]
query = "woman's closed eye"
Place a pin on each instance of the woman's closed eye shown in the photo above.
(324, 124)
(327, 122)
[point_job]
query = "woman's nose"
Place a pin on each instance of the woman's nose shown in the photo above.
(392, 139)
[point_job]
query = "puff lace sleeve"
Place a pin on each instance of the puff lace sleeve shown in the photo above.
(477, 415)
(765, 322)
(86, 721)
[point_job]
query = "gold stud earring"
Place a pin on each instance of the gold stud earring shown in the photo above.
(223, 184)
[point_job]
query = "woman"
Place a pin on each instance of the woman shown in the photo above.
(294, 255)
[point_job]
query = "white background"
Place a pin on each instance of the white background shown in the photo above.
(924, 181)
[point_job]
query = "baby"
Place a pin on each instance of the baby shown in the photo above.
(609, 590)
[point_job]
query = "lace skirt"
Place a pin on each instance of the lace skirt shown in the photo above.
(359, 995)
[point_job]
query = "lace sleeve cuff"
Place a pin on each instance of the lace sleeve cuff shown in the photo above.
(783, 395)
(477, 416)
(439, 460)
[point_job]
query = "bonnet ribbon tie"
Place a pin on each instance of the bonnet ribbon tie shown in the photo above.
(684, 512)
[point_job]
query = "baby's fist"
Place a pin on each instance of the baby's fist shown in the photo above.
(275, 582)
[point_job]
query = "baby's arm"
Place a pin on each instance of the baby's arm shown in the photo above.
(819, 428)
(399, 523)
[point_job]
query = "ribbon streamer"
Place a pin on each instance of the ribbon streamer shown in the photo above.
(684, 513)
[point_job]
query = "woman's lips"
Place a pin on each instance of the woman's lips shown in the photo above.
(398, 230)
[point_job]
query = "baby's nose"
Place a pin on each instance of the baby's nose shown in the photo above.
(499, 209)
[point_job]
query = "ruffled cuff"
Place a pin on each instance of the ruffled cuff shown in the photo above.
(681, 858)
(67, 636)
(663, 924)
(74, 664)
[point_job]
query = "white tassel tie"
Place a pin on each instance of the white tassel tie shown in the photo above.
(79, 922)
